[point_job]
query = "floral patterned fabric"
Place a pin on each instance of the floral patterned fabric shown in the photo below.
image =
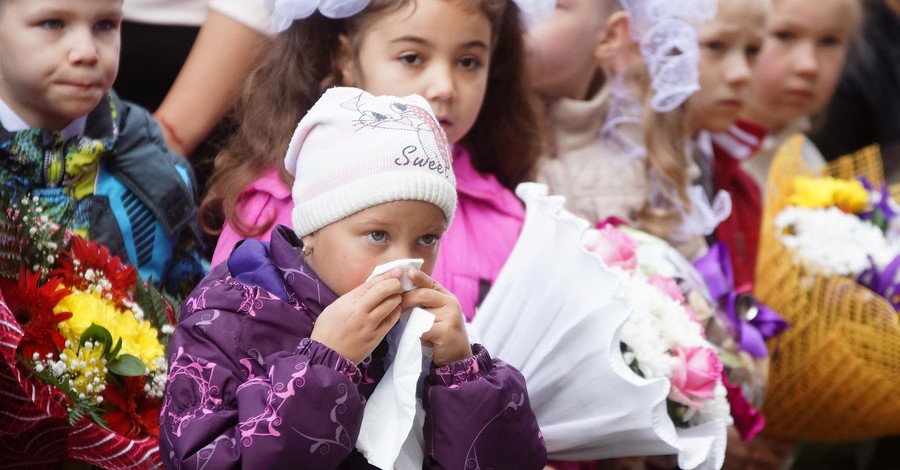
(247, 387)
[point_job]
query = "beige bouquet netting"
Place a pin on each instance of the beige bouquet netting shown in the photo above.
(835, 373)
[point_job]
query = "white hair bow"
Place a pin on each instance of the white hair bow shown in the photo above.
(284, 12)
(667, 33)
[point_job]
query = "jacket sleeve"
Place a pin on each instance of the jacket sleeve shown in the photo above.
(164, 183)
(478, 416)
(227, 408)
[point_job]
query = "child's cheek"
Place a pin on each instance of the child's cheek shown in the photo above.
(767, 79)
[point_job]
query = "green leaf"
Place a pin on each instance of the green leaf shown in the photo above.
(154, 303)
(880, 220)
(677, 412)
(127, 365)
(730, 360)
(115, 350)
(96, 333)
(81, 408)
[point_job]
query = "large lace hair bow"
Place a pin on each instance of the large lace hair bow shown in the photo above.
(284, 12)
(667, 33)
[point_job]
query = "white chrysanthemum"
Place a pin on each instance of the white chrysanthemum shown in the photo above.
(833, 241)
(656, 325)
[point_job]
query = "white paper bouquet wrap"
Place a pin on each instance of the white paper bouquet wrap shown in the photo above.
(555, 312)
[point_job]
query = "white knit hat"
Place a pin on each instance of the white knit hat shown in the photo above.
(353, 151)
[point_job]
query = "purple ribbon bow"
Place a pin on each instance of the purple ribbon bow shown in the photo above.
(883, 281)
(758, 323)
(883, 203)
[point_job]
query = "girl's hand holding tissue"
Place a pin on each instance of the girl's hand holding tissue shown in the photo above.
(447, 336)
(357, 321)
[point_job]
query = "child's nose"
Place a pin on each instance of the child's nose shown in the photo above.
(738, 71)
(401, 251)
(84, 49)
(441, 85)
(806, 61)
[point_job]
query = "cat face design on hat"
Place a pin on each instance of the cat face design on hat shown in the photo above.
(433, 152)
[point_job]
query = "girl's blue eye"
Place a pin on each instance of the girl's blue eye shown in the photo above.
(428, 240)
(106, 25)
(376, 237)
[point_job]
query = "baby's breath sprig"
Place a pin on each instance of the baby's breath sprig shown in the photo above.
(80, 372)
(157, 307)
(28, 237)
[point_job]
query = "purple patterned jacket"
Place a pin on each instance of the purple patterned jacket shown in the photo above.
(249, 389)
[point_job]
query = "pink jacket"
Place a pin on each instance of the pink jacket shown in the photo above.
(268, 196)
(487, 224)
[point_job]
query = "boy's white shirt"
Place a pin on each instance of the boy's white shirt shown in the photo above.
(13, 123)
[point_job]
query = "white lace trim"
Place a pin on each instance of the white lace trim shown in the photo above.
(667, 33)
(624, 112)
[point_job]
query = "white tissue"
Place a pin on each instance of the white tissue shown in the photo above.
(391, 411)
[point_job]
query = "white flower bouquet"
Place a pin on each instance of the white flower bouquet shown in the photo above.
(559, 315)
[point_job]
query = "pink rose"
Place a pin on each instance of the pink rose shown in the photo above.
(667, 285)
(694, 375)
(613, 246)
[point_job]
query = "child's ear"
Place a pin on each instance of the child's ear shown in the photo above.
(615, 35)
(343, 61)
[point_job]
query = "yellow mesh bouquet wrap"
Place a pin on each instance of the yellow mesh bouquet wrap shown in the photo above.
(835, 373)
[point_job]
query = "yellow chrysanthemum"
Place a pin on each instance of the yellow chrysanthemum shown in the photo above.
(848, 195)
(139, 338)
(852, 198)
